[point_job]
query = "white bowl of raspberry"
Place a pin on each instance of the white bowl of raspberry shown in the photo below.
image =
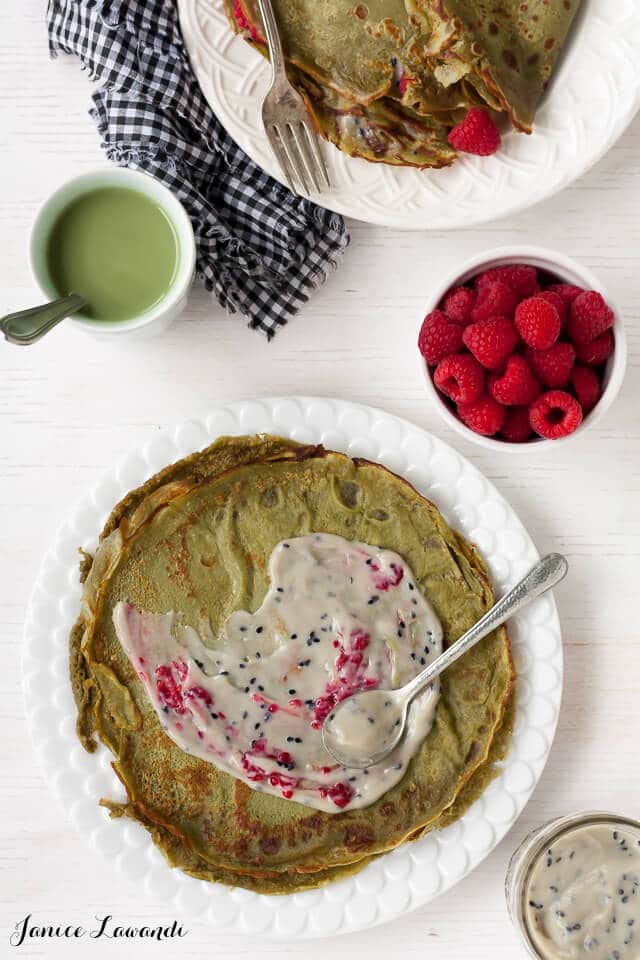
(520, 346)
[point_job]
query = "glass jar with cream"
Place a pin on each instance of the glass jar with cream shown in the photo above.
(573, 888)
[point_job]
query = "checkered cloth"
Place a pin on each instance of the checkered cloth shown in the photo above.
(261, 250)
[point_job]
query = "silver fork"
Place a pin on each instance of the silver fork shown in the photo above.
(286, 119)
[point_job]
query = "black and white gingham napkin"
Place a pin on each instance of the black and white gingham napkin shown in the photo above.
(261, 250)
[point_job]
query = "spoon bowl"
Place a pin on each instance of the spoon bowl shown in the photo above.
(365, 727)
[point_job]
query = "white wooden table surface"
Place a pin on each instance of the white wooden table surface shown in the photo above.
(70, 405)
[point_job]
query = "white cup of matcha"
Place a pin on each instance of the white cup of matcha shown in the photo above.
(124, 242)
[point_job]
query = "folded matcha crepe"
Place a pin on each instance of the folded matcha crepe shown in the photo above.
(196, 539)
(381, 75)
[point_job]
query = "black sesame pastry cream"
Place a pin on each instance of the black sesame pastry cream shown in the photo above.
(209, 682)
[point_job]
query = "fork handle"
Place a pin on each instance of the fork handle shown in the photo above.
(276, 52)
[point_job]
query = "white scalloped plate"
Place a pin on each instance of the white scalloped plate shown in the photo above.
(399, 881)
(594, 95)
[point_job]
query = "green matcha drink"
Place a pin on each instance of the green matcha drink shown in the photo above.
(115, 247)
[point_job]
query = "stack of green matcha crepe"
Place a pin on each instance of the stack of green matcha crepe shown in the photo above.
(196, 538)
(387, 80)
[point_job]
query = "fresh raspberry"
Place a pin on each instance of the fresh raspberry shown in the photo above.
(589, 317)
(553, 366)
(458, 305)
(438, 338)
(477, 134)
(555, 414)
(494, 300)
(517, 385)
(556, 300)
(460, 377)
(598, 350)
(586, 385)
(566, 291)
(491, 341)
(516, 427)
(522, 279)
(485, 416)
(537, 322)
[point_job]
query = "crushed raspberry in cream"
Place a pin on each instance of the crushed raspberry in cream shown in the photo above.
(339, 617)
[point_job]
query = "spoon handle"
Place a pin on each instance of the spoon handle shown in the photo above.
(542, 577)
(27, 326)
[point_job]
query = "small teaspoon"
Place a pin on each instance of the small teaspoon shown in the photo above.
(26, 326)
(354, 713)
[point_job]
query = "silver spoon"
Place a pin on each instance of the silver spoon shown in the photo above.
(348, 733)
(27, 326)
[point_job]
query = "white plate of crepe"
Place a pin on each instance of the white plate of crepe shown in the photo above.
(594, 94)
(397, 882)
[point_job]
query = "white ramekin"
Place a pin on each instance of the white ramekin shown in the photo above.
(173, 303)
(567, 271)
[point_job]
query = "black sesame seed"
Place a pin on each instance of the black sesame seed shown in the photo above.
(280, 589)
(291, 692)
(370, 719)
(199, 663)
(260, 688)
(243, 629)
(242, 666)
(353, 779)
(373, 599)
(215, 716)
(298, 739)
(224, 673)
(166, 709)
(258, 654)
(258, 629)
(256, 726)
(294, 636)
(369, 561)
(245, 714)
(289, 739)
(246, 689)
(286, 545)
